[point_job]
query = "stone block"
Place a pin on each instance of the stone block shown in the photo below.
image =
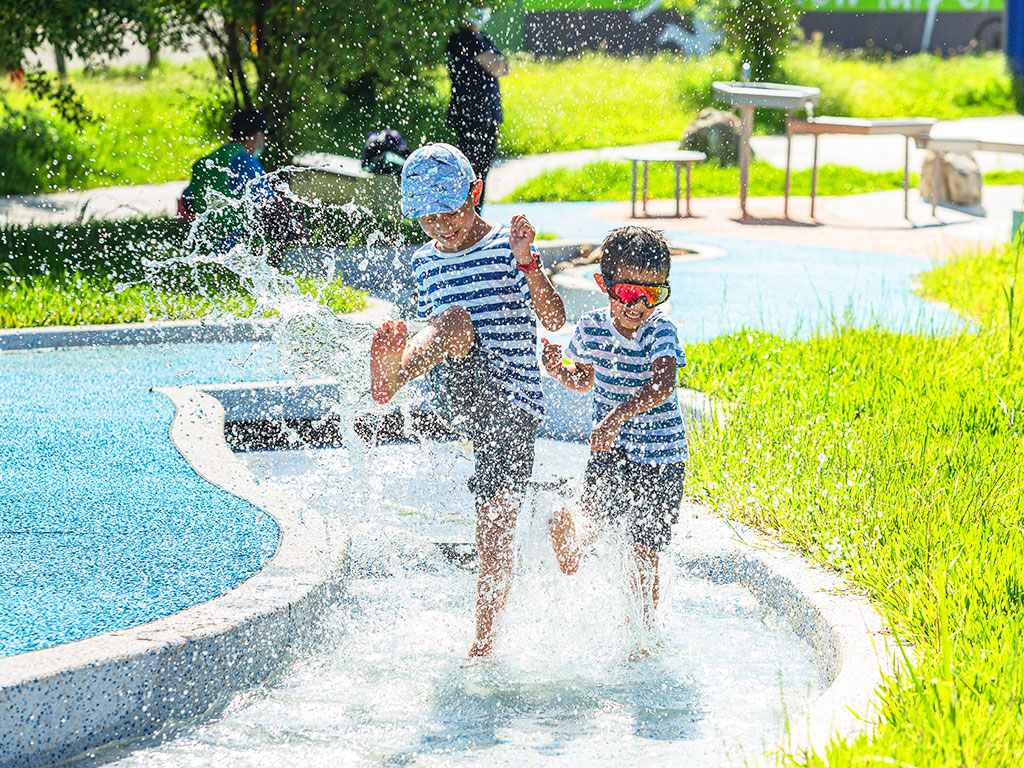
(957, 182)
(716, 134)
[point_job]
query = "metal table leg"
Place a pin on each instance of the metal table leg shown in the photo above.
(632, 194)
(814, 174)
(689, 167)
(647, 166)
(747, 127)
(789, 152)
(906, 181)
(677, 188)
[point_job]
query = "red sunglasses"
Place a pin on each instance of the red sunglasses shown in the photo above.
(630, 293)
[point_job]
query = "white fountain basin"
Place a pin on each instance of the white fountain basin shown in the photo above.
(768, 95)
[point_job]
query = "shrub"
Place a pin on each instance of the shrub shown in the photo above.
(37, 155)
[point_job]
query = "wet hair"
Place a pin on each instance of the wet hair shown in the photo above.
(246, 124)
(637, 247)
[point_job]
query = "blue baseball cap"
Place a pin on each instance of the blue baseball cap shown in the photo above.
(436, 178)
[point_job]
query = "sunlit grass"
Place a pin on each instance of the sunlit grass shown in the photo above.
(897, 460)
(611, 180)
(80, 299)
(921, 85)
(150, 128)
(123, 271)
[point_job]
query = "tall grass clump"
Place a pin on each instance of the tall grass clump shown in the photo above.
(896, 459)
(124, 271)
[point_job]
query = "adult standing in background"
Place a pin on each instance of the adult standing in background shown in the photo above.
(474, 112)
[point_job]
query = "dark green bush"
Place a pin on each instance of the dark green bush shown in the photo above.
(113, 248)
(37, 155)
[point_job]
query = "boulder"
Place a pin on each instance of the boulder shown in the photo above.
(959, 178)
(716, 134)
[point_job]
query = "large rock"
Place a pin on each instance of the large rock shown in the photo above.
(716, 134)
(959, 178)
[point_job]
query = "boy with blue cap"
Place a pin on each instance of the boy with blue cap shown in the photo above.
(479, 287)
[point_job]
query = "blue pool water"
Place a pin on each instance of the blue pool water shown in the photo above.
(102, 523)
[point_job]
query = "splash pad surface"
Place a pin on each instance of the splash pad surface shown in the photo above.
(388, 686)
(103, 525)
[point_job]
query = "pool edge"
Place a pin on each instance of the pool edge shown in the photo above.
(62, 701)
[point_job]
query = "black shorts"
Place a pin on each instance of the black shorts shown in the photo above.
(478, 408)
(645, 496)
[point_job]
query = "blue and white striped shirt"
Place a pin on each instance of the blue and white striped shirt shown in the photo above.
(484, 280)
(621, 367)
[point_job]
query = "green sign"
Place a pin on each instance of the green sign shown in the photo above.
(843, 6)
(901, 6)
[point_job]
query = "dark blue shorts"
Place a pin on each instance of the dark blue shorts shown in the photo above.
(471, 401)
(645, 496)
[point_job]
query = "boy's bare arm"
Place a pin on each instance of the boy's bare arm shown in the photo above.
(578, 377)
(662, 384)
(546, 301)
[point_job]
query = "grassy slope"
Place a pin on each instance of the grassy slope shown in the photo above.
(610, 180)
(897, 459)
(110, 272)
(152, 128)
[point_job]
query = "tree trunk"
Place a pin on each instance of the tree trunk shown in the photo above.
(62, 63)
(153, 47)
(236, 68)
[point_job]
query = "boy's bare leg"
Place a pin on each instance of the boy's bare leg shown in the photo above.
(394, 361)
(645, 582)
(495, 533)
(562, 530)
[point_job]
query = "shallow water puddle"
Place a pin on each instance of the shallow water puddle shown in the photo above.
(388, 686)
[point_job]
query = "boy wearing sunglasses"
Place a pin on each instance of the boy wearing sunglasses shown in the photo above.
(628, 353)
(480, 288)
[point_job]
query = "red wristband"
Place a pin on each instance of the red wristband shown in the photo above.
(530, 267)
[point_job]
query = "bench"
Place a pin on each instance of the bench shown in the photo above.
(339, 180)
(941, 146)
(908, 127)
(678, 157)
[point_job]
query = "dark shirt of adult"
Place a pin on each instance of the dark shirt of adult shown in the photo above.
(474, 66)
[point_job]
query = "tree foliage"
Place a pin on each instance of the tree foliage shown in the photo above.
(282, 55)
(758, 31)
(279, 56)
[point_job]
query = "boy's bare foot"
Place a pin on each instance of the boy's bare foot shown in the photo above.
(481, 649)
(386, 359)
(563, 541)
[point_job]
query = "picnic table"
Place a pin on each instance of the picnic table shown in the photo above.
(678, 157)
(909, 127)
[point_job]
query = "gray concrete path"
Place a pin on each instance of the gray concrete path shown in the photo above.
(873, 153)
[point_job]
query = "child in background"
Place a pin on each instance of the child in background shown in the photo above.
(478, 287)
(628, 353)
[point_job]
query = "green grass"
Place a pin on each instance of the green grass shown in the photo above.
(611, 180)
(597, 100)
(118, 272)
(150, 128)
(147, 129)
(922, 85)
(81, 299)
(897, 460)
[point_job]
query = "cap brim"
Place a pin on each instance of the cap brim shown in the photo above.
(415, 206)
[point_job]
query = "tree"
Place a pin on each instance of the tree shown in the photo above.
(281, 55)
(277, 56)
(758, 31)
